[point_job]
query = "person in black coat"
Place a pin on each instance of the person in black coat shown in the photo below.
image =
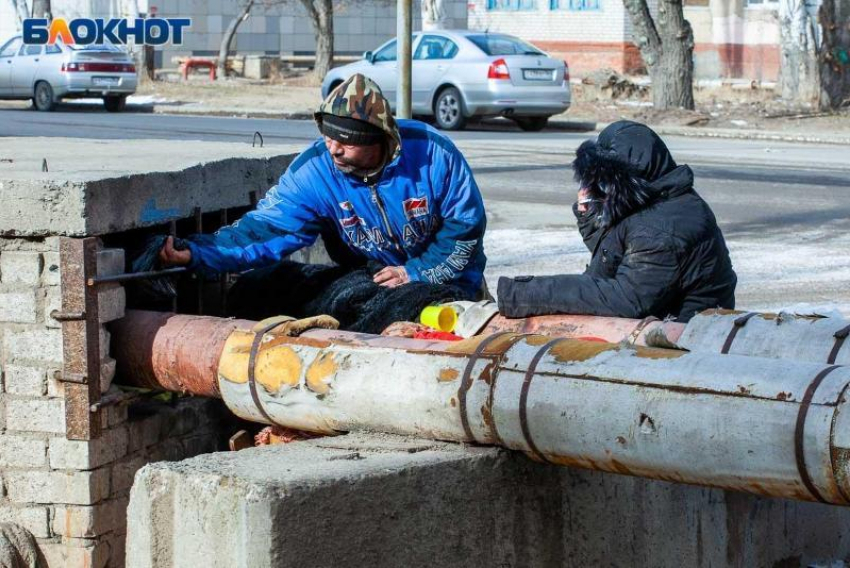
(655, 244)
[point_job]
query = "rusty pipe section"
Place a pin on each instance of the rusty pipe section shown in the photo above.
(637, 332)
(181, 353)
(159, 350)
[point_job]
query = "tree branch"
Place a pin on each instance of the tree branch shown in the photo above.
(648, 40)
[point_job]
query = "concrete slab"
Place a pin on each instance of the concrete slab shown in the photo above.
(93, 187)
(363, 500)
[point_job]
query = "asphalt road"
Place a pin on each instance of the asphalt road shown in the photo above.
(784, 207)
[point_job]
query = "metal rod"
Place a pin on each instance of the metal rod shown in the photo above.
(404, 31)
(137, 275)
(222, 279)
(199, 229)
(172, 229)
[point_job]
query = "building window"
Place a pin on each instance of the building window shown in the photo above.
(512, 5)
(575, 5)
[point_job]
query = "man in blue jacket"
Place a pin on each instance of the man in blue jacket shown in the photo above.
(400, 194)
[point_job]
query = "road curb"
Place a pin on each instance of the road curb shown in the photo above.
(766, 135)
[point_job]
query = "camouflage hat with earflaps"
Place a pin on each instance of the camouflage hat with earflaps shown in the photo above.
(360, 98)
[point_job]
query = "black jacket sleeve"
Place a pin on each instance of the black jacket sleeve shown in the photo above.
(643, 282)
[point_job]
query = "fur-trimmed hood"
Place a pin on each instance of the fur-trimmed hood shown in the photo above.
(627, 168)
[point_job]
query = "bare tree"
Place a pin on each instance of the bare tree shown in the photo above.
(433, 15)
(227, 39)
(834, 54)
(41, 9)
(815, 64)
(798, 64)
(22, 11)
(321, 13)
(667, 46)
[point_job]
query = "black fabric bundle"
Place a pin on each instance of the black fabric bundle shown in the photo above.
(147, 259)
(350, 296)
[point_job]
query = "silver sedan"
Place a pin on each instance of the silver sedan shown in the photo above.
(458, 75)
(49, 73)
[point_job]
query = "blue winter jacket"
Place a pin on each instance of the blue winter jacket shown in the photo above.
(425, 213)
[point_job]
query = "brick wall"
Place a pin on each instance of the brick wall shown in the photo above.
(72, 494)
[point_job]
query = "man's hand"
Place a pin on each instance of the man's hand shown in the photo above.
(170, 256)
(391, 276)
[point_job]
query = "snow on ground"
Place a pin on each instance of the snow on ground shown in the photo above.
(800, 274)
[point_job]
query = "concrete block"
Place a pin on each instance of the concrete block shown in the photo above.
(128, 188)
(72, 553)
(110, 262)
(44, 345)
(124, 471)
(29, 381)
(91, 454)
(105, 338)
(52, 301)
(72, 487)
(50, 275)
(35, 519)
(18, 307)
(107, 374)
(20, 267)
(421, 503)
(71, 521)
(214, 24)
(111, 302)
(287, 25)
(20, 451)
(35, 415)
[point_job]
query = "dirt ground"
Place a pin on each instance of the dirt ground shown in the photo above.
(738, 107)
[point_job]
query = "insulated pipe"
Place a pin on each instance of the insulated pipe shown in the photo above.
(770, 427)
(637, 332)
(783, 336)
(776, 428)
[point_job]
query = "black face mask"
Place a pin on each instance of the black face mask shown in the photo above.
(588, 225)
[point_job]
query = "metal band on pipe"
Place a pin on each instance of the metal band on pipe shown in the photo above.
(252, 361)
(799, 432)
(736, 325)
(466, 379)
(840, 336)
(523, 399)
(635, 334)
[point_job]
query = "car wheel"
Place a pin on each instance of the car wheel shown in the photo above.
(114, 104)
(43, 97)
(532, 123)
(448, 110)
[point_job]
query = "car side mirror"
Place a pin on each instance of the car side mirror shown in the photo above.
(369, 56)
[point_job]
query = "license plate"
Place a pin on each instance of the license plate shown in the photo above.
(104, 81)
(537, 74)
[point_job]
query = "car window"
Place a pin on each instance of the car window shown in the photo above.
(388, 53)
(435, 47)
(11, 47)
(30, 50)
(498, 44)
(52, 49)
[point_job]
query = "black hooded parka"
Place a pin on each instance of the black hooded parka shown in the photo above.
(656, 247)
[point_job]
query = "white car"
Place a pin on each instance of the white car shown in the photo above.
(49, 73)
(462, 74)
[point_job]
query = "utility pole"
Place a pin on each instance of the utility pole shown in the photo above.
(404, 32)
